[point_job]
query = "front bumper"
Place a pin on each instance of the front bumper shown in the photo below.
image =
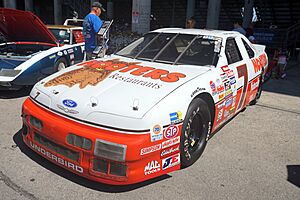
(50, 142)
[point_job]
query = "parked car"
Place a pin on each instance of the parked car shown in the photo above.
(30, 50)
(147, 110)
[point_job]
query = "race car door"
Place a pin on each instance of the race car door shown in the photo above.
(237, 72)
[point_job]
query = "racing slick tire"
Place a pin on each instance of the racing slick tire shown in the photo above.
(258, 93)
(195, 130)
(60, 64)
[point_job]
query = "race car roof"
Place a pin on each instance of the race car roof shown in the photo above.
(24, 26)
(210, 32)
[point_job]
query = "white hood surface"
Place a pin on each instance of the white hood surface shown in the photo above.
(114, 85)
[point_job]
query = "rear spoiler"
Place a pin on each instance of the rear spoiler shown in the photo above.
(259, 48)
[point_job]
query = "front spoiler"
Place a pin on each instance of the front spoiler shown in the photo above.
(139, 166)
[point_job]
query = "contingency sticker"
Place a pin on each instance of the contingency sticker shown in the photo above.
(156, 133)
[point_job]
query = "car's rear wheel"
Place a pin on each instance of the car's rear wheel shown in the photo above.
(60, 64)
(258, 93)
(195, 130)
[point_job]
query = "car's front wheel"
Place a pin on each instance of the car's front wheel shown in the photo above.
(195, 130)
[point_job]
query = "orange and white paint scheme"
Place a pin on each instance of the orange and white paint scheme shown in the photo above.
(139, 114)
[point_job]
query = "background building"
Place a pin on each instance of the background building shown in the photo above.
(277, 22)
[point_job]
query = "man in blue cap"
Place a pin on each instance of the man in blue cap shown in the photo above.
(91, 25)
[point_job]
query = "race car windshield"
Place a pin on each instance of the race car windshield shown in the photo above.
(176, 49)
(62, 35)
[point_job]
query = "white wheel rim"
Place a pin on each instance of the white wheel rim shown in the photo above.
(61, 66)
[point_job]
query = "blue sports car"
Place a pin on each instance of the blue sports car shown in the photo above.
(30, 50)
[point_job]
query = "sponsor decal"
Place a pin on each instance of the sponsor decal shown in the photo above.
(151, 149)
(196, 91)
(231, 111)
(213, 88)
(70, 50)
(234, 100)
(227, 86)
(152, 167)
(69, 103)
(171, 132)
(252, 97)
(56, 159)
(221, 105)
(228, 93)
(254, 85)
(220, 114)
(97, 71)
(209, 37)
(171, 161)
(232, 80)
(229, 72)
(156, 133)
(71, 56)
(65, 52)
(170, 142)
(67, 110)
(135, 81)
(224, 77)
(59, 53)
(221, 96)
(169, 151)
(225, 68)
(52, 56)
(220, 88)
(259, 62)
(226, 113)
(176, 117)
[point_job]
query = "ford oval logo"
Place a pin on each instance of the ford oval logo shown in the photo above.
(69, 103)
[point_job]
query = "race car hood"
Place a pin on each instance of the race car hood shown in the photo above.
(114, 85)
(23, 26)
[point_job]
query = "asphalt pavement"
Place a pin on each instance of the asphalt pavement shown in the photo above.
(255, 156)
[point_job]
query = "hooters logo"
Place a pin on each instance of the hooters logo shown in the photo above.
(95, 71)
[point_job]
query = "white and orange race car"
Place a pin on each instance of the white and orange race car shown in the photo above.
(147, 110)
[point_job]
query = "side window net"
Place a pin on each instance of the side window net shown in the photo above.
(232, 52)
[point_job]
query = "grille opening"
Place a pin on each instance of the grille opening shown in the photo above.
(56, 148)
(118, 169)
(100, 165)
(109, 168)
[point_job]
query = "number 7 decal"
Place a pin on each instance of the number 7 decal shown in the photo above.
(243, 72)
